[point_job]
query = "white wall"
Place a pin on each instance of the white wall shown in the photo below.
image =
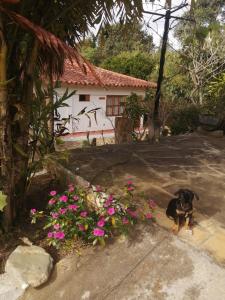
(103, 122)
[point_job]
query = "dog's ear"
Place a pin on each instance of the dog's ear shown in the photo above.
(179, 192)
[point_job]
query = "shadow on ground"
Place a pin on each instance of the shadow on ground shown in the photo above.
(193, 161)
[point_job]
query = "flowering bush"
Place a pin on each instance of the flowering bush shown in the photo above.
(69, 217)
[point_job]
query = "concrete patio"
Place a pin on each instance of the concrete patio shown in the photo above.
(154, 264)
(193, 161)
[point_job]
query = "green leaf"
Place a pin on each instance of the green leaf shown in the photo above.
(47, 226)
(20, 150)
(3, 203)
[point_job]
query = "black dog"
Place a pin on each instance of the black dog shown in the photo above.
(180, 209)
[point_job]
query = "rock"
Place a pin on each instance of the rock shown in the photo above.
(216, 133)
(11, 288)
(30, 264)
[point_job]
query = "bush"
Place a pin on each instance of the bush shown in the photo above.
(68, 216)
(185, 119)
(136, 64)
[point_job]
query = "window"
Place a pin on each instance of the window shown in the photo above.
(84, 98)
(115, 105)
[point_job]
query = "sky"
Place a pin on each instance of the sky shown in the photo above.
(158, 26)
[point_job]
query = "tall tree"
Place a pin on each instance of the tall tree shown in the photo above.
(113, 39)
(203, 46)
(137, 64)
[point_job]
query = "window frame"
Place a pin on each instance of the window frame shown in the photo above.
(117, 102)
(87, 98)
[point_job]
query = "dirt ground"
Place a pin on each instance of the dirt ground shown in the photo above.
(37, 198)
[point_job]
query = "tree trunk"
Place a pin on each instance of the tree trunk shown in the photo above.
(21, 131)
(6, 167)
(50, 101)
(154, 125)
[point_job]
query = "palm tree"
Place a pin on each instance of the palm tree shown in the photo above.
(28, 49)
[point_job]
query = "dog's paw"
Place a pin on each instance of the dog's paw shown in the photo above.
(175, 229)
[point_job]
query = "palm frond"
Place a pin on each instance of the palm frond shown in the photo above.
(53, 51)
(10, 1)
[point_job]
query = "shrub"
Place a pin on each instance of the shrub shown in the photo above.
(68, 215)
(185, 119)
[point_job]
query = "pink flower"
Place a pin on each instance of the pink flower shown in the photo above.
(50, 235)
(62, 211)
(59, 235)
(129, 182)
(98, 232)
(54, 215)
(75, 198)
(101, 222)
(56, 226)
(63, 198)
(73, 207)
(71, 189)
(53, 193)
(98, 189)
(152, 204)
(148, 216)
(111, 211)
(110, 198)
(51, 201)
(125, 220)
(33, 211)
(81, 227)
(83, 214)
(130, 188)
(132, 213)
(108, 202)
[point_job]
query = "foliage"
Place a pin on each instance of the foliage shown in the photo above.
(216, 96)
(135, 109)
(136, 64)
(114, 39)
(42, 112)
(185, 119)
(2, 200)
(69, 217)
(202, 54)
(35, 39)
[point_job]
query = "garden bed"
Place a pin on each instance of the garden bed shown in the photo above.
(37, 197)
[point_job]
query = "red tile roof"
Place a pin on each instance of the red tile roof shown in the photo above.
(75, 76)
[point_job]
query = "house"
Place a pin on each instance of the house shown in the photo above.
(102, 98)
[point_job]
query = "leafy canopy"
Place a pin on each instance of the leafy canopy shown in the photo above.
(136, 64)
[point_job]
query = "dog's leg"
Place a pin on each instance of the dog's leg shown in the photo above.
(191, 223)
(187, 223)
(176, 226)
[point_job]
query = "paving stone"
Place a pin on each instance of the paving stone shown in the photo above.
(11, 288)
(216, 246)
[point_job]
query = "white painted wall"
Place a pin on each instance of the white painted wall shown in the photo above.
(103, 122)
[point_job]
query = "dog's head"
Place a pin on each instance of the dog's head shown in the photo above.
(185, 198)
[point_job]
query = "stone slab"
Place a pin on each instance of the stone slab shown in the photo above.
(216, 246)
(11, 288)
(30, 263)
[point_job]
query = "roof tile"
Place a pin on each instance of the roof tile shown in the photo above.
(75, 76)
